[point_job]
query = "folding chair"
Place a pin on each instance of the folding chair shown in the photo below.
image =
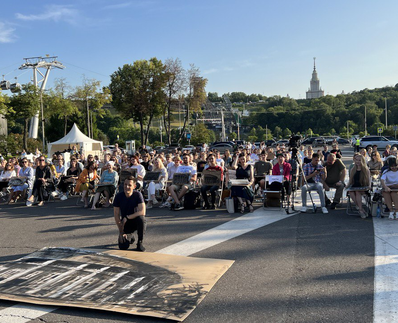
(126, 173)
(213, 178)
(151, 177)
(273, 198)
(367, 197)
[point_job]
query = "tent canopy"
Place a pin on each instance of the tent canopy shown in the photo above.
(78, 138)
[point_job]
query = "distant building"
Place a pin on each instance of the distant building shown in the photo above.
(315, 90)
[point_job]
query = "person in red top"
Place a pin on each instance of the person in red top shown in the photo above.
(212, 166)
(282, 168)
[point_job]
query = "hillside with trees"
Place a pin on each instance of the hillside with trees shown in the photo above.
(328, 115)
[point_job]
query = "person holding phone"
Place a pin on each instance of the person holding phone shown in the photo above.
(314, 174)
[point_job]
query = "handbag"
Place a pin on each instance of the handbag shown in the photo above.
(249, 192)
(229, 202)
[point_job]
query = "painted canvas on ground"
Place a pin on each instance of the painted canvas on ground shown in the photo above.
(129, 282)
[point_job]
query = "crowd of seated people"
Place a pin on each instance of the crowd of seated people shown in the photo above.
(97, 178)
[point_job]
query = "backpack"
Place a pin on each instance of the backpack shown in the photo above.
(192, 200)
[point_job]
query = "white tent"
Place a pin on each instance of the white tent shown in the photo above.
(78, 138)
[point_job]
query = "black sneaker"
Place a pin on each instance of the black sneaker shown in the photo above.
(213, 207)
(205, 207)
(178, 207)
(333, 206)
(328, 202)
(140, 246)
(132, 239)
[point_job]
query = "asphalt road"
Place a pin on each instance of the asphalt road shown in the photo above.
(305, 268)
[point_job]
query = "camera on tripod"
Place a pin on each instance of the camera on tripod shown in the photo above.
(294, 141)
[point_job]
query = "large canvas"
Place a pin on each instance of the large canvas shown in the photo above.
(149, 284)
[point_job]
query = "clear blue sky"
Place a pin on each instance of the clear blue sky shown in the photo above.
(253, 46)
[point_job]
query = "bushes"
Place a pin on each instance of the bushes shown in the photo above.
(13, 144)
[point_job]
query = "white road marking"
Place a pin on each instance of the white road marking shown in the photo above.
(22, 313)
(225, 232)
(385, 302)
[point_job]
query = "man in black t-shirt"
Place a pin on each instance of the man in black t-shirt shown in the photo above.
(129, 212)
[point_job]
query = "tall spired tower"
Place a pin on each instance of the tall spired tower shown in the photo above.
(315, 90)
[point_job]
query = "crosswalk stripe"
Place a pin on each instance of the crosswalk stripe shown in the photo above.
(386, 269)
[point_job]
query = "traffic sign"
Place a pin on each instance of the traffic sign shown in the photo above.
(188, 136)
(395, 128)
(379, 130)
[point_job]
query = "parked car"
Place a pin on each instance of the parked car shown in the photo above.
(380, 141)
(159, 149)
(222, 147)
(329, 139)
(270, 142)
(281, 142)
(308, 141)
(171, 148)
(319, 142)
(342, 141)
(190, 148)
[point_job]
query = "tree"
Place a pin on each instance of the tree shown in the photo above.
(286, 133)
(235, 97)
(232, 136)
(196, 95)
(3, 103)
(24, 105)
(138, 92)
(91, 98)
(201, 134)
(213, 97)
(176, 84)
(278, 132)
(59, 102)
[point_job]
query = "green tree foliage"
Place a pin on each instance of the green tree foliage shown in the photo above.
(58, 103)
(201, 134)
(3, 103)
(237, 97)
(14, 142)
(195, 97)
(213, 97)
(327, 114)
(138, 92)
(278, 132)
(24, 105)
(91, 98)
(175, 86)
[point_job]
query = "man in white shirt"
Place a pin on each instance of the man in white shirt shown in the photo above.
(185, 167)
(254, 156)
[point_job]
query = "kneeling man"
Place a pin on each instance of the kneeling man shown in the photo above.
(129, 213)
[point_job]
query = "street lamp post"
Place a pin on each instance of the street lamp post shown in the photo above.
(42, 119)
(385, 104)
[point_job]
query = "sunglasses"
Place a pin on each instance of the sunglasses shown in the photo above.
(42, 160)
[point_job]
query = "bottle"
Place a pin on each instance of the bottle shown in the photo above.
(378, 211)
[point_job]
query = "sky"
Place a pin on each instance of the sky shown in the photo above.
(251, 46)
